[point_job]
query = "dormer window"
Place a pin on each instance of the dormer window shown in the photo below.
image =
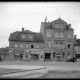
(30, 37)
(23, 36)
(48, 25)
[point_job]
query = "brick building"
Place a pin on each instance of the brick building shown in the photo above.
(54, 42)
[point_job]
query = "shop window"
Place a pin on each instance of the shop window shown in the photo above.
(17, 56)
(63, 54)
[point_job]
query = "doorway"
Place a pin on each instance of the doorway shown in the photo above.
(47, 56)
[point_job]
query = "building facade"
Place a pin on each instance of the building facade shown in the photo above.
(54, 42)
(77, 48)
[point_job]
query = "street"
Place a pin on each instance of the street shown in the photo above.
(38, 69)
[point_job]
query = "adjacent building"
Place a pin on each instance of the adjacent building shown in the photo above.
(54, 42)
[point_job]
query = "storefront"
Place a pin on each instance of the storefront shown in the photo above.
(35, 55)
(18, 55)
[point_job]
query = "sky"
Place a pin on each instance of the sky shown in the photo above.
(28, 15)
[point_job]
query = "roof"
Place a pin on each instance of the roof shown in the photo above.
(59, 20)
(15, 36)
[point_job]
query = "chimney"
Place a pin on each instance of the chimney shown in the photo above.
(69, 25)
(74, 36)
(22, 29)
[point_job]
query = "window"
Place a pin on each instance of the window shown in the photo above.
(57, 25)
(17, 56)
(63, 54)
(23, 36)
(68, 54)
(30, 37)
(48, 34)
(69, 45)
(48, 25)
(21, 46)
(56, 42)
(37, 46)
(61, 35)
(32, 46)
(26, 45)
(16, 45)
(47, 44)
(61, 42)
(76, 47)
(69, 35)
(61, 26)
(56, 34)
(41, 56)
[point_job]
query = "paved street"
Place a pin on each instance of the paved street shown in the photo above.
(43, 68)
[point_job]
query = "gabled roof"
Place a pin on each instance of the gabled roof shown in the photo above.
(59, 20)
(15, 36)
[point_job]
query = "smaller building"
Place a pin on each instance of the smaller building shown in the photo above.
(77, 48)
(26, 45)
(4, 53)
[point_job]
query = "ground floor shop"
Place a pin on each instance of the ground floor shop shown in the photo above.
(37, 54)
(57, 56)
(27, 55)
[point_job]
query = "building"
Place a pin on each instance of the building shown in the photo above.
(26, 45)
(4, 53)
(54, 42)
(77, 48)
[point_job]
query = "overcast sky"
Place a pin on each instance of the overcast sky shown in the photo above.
(15, 15)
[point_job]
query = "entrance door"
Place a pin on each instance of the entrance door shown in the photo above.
(58, 57)
(47, 56)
